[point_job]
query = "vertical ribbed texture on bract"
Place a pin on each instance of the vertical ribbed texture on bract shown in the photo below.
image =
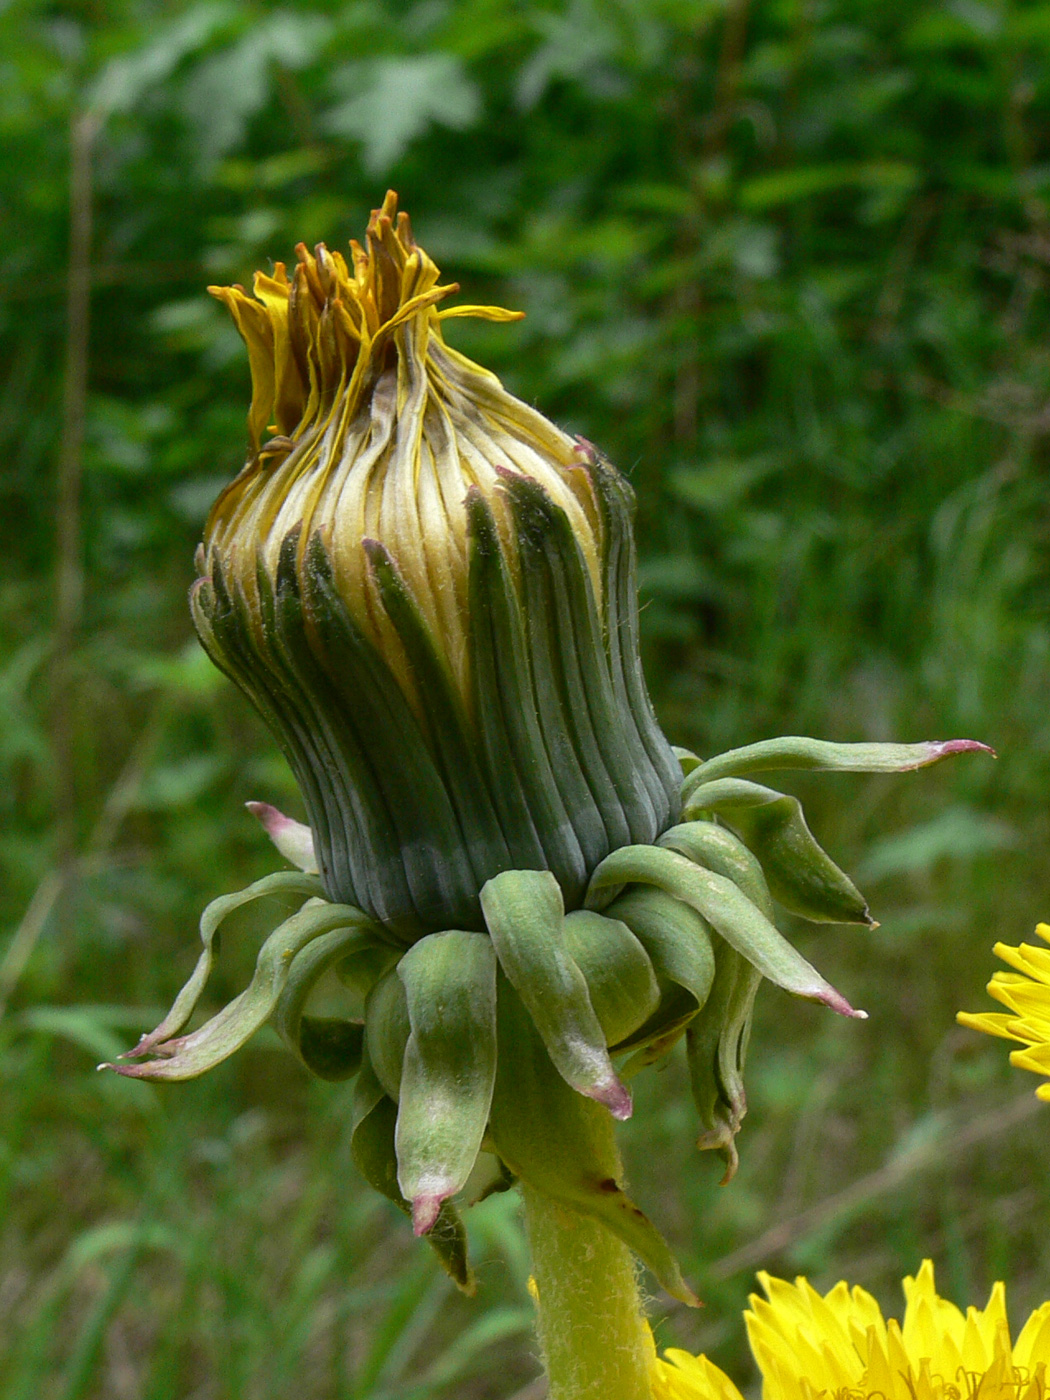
(427, 590)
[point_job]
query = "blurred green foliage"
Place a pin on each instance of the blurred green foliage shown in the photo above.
(787, 262)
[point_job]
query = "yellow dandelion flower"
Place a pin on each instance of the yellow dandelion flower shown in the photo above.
(839, 1345)
(1026, 992)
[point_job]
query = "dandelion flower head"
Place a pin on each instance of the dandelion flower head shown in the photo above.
(839, 1345)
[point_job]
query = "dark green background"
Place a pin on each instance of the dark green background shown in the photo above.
(787, 264)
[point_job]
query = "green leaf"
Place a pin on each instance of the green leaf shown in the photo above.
(557, 1141)
(687, 760)
(387, 1029)
(224, 91)
(413, 92)
(720, 485)
(801, 875)
(679, 945)
(523, 783)
(410, 849)
(958, 834)
(397, 837)
(620, 979)
(571, 668)
(225, 624)
(716, 1047)
(125, 80)
(676, 938)
(190, 1055)
(92, 1028)
(448, 728)
(718, 850)
(449, 1067)
(362, 968)
(791, 185)
(726, 908)
(372, 1148)
(795, 752)
(329, 1047)
(282, 882)
(717, 1039)
(341, 749)
(652, 752)
(524, 913)
(171, 786)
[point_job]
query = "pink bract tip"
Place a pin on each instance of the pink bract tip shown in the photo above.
(945, 747)
(270, 817)
(144, 1047)
(425, 1211)
(128, 1071)
(836, 1002)
(509, 474)
(294, 840)
(615, 1097)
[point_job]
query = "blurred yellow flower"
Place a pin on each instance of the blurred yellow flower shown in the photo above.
(1027, 993)
(840, 1345)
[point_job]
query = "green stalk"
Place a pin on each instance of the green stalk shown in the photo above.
(596, 1344)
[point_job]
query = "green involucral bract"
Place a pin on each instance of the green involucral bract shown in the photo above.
(524, 894)
(449, 1067)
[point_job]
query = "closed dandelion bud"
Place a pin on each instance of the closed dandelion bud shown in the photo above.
(427, 591)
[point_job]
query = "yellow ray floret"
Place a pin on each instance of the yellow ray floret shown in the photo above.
(1026, 991)
(809, 1346)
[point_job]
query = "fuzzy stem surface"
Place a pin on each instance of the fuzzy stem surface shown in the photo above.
(596, 1344)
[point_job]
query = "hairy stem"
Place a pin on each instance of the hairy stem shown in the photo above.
(596, 1344)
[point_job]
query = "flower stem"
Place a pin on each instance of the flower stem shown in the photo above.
(595, 1341)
